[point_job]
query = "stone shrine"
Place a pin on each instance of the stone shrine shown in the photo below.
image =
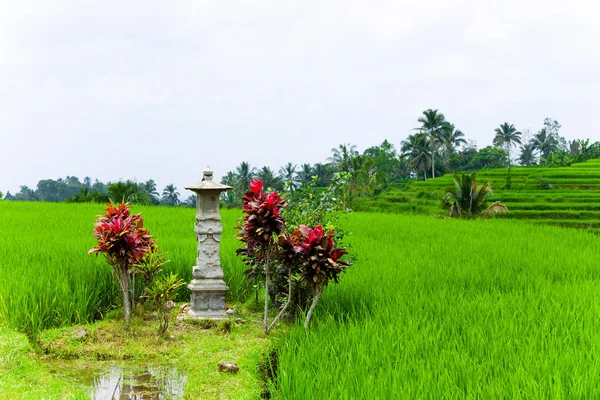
(208, 287)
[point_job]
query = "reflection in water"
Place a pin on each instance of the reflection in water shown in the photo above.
(122, 382)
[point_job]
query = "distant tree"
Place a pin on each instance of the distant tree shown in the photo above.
(452, 137)
(416, 152)
(433, 124)
(488, 157)
(1, 195)
(305, 174)
(575, 147)
(123, 192)
(289, 176)
(25, 194)
(385, 159)
(269, 178)
(545, 142)
(342, 155)
(324, 172)
(170, 196)
(243, 176)
(87, 182)
(506, 137)
(190, 201)
(99, 186)
(527, 157)
(231, 197)
(9, 196)
(149, 187)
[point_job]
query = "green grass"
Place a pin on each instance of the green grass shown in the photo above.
(24, 376)
(453, 309)
(49, 280)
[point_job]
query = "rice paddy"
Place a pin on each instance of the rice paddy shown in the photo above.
(566, 197)
(432, 308)
(453, 309)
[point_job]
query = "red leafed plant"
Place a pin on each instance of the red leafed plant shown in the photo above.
(320, 262)
(124, 242)
(259, 226)
(306, 252)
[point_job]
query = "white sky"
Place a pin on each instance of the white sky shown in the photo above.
(160, 89)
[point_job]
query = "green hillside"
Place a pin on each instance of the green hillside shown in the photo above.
(567, 196)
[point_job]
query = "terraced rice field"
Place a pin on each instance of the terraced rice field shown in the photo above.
(568, 197)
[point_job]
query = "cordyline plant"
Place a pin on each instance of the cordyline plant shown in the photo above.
(319, 262)
(124, 242)
(306, 252)
(259, 227)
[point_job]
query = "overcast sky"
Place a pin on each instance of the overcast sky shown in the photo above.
(117, 90)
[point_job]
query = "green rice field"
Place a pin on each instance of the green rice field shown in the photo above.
(432, 308)
(49, 280)
(567, 197)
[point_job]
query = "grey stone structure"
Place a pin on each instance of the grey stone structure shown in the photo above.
(208, 287)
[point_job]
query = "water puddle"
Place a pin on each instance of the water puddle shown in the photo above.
(126, 381)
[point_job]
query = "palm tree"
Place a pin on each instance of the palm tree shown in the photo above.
(433, 124)
(149, 187)
(321, 171)
(507, 136)
(125, 192)
(414, 150)
(270, 180)
(527, 157)
(243, 176)
(452, 137)
(232, 198)
(170, 196)
(289, 176)
(305, 175)
(342, 155)
(545, 143)
(467, 199)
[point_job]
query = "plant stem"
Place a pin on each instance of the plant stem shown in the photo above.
(124, 281)
(289, 300)
(266, 316)
(318, 293)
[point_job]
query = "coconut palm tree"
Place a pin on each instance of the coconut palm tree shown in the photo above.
(305, 175)
(433, 124)
(270, 180)
(527, 156)
(322, 171)
(467, 199)
(545, 143)
(243, 176)
(507, 136)
(124, 192)
(289, 176)
(232, 198)
(452, 137)
(149, 187)
(170, 196)
(342, 155)
(414, 150)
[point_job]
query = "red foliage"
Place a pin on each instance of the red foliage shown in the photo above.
(121, 237)
(262, 220)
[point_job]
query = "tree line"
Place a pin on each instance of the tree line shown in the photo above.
(72, 190)
(434, 148)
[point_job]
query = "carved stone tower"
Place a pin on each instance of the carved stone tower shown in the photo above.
(208, 288)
